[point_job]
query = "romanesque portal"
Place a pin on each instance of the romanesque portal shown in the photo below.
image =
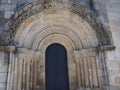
(80, 37)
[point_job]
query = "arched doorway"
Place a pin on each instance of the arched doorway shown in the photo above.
(56, 69)
(86, 60)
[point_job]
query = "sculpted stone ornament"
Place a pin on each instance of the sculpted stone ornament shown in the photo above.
(35, 7)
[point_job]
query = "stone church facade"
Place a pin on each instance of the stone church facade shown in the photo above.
(86, 30)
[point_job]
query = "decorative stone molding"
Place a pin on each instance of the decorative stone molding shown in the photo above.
(37, 52)
(106, 48)
(35, 7)
(7, 48)
(22, 59)
(88, 69)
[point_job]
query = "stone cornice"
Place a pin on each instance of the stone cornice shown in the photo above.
(102, 48)
(106, 48)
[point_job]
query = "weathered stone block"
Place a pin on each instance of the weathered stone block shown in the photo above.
(3, 77)
(8, 14)
(3, 68)
(3, 56)
(7, 7)
(2, 86)
(114, 87)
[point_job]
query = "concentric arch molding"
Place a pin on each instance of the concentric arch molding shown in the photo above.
(36, 7)
(62, 24)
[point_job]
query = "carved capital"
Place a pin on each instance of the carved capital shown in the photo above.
(77, 55)
(7, 48)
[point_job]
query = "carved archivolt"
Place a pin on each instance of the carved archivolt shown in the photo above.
(22, 14)
(55, 24)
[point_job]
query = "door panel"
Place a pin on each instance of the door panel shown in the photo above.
(56, 68)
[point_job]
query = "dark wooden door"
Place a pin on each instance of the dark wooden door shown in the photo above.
(56, 70)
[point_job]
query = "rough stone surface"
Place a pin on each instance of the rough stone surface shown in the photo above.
(2, 86)
(113, 10)
(27, 36)
(3, 68)
(3, 77)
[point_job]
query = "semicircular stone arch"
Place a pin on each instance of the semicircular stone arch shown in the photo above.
(35, 29)
(21, 15)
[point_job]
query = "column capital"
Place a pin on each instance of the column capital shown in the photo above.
(7, 48)
(77, 55)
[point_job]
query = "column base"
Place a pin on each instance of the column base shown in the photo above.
(82, 88)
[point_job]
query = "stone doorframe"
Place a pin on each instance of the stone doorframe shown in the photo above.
(24, 62)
